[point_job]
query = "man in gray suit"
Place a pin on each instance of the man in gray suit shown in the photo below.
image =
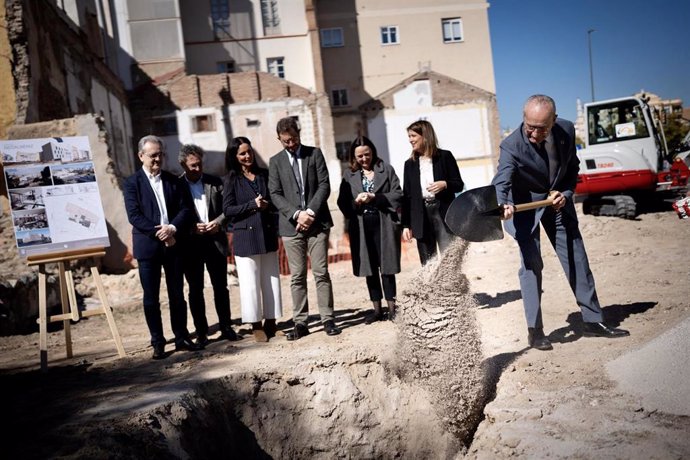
(207, 244)
(299, 187)
(537, 159)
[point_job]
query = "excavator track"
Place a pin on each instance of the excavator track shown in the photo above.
(622, 206)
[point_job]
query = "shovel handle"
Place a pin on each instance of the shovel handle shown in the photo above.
(533, 205)
(536, 204)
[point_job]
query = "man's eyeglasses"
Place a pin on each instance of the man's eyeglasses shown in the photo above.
(289, 141)
(541, 129)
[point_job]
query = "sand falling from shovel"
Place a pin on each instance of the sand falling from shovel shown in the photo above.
(439, 343)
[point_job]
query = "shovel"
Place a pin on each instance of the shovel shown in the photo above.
(476, 216)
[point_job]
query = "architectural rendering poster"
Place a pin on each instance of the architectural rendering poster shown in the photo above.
(53, 195)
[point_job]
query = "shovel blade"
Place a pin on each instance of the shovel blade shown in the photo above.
(475, 215)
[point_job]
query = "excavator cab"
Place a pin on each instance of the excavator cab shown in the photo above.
(625, 158)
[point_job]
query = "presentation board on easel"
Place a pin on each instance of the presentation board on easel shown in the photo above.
(58, 218)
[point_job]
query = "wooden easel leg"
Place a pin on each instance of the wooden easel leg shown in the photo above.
(108, 311)
(43, 317)
(65, 300)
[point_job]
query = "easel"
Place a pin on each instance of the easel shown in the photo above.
(68, 298)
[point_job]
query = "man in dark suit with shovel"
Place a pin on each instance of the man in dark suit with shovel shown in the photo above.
(536, 159)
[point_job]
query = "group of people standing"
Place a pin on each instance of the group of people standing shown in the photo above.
(179, 225)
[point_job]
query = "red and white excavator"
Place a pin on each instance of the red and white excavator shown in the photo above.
(625, 161)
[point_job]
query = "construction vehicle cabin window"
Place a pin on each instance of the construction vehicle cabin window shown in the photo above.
(615, 121)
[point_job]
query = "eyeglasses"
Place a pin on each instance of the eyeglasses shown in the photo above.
(541, 129)
(289, 141)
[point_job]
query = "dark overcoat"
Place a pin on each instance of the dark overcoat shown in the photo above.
(388, 200)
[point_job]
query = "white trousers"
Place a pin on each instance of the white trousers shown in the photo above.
(259, 278)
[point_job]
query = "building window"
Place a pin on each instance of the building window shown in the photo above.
(276, 66)
(339, 97)
(332, 38)
(342, 150)
(226, 67)
(164, 126)
(389, 35)
(270, 17)
(452, 30)
(203, 123)
(220, 16)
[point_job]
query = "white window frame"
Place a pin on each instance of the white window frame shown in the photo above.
(385, 31)
(276, 66)
(447, 28)
(337, 96)
(332, 37)
(270, 17)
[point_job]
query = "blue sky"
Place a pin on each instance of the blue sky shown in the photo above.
(540, 46)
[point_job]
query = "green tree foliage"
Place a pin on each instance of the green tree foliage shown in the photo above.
(675, 130)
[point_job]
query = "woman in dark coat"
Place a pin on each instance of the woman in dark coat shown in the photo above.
(370, 196)
(254, 223)
(431, 180)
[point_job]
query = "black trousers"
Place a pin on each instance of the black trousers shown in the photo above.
(200, 252)
(435, 232)
(372, 238)
(170, 261)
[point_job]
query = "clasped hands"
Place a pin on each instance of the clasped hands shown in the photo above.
(304, 221)
(363, 198)
(166, 234)
(206, 229)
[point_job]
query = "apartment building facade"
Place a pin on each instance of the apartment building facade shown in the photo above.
(374, 49)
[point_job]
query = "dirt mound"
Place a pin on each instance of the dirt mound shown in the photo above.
(439, 341)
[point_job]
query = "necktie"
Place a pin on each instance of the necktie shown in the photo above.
(550, 155)
(298, 178)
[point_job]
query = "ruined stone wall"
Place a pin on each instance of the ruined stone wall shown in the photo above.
(7, 100)
(56, 75)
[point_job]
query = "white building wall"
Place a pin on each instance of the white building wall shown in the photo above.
(462, 129)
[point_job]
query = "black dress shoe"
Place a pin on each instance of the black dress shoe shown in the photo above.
(330, 327)
(158, 351)
(300, 330)
(229, 334)
(537, 339)
(602, 330)
(202, 340)
(187, 344)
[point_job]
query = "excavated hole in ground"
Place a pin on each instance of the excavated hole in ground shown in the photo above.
(423, 400)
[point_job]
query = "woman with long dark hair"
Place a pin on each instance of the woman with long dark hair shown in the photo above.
(431, 180)
(254, 222)
(370, 196)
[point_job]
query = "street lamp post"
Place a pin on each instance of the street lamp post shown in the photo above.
(591, 72)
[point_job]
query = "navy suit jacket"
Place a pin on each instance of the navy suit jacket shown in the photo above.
(144, 215)
(284, 191)
(445, 168)
(523, 176)
(213, 191)
(254, 231)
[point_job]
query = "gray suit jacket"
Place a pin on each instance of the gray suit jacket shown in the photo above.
(282, 186)
(523, 176)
